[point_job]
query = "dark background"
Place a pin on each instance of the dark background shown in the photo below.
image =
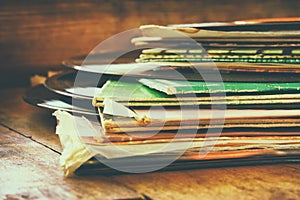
(36, 35)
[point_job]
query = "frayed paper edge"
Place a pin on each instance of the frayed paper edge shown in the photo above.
(75, 152)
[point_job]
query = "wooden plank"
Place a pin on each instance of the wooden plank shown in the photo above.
(256, 182)
(32, 122)
(31, 171)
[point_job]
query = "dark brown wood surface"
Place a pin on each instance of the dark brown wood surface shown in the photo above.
(36, 35)
(29, 164)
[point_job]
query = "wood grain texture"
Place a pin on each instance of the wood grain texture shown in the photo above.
(256, 182)
(31, 171)
(22, 117)
(29, 164)
(38, 35)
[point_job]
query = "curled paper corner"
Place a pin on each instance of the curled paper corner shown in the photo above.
(37, 80)
(143, 120)
(117, 109)
(75, 152)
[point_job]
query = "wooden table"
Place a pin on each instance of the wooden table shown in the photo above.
(30, 168)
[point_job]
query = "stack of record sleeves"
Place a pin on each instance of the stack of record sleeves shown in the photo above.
(189, 96)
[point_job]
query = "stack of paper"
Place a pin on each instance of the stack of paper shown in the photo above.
(240, 116)
(197, 95)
